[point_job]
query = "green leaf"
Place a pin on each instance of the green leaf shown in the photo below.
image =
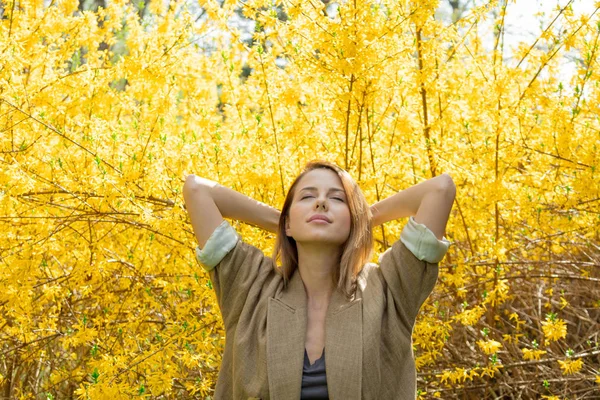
(95, 375)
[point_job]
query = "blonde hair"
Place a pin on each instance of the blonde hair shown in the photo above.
(357, 249)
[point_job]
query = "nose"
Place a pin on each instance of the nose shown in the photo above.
(321, 203)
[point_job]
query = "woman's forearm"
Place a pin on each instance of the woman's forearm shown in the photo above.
(406, 203)
(235, 205)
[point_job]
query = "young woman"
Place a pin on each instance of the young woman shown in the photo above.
(325, 323)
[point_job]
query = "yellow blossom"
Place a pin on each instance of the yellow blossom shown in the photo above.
(554, 330)
(489, 346)
(570, 366)
(445, 376)
(512, 338)
(490, 370)
(532, 354)
(471, 316)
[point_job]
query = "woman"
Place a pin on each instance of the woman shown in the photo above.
(326, 323)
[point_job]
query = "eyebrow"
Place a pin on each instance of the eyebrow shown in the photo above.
(330, 190)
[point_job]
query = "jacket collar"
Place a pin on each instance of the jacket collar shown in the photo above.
(286, 336)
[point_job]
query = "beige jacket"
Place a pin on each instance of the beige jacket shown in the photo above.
(367, 340)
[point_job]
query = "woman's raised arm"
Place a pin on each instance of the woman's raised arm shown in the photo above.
(429, 202)
(207, 202)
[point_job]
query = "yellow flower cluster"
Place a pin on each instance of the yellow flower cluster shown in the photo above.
(554, 329)
(489, 346)
(490, 370)
(534, 354)
(570, 366)
(499, 294)
(471, 316)
(461, 375)
(429, 337)
(458, 375)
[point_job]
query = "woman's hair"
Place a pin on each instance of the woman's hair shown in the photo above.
(356, 250)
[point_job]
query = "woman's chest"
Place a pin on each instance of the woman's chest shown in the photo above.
(315, 334)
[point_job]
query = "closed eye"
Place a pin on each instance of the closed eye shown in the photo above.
(336, 198)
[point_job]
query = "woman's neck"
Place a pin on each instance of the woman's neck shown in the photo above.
(316, 266)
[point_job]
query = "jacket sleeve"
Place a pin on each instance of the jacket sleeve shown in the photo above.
(235, 268)
(410, 269)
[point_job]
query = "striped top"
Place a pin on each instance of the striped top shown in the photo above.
(314, 379)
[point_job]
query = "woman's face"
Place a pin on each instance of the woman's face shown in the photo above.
(319, 191)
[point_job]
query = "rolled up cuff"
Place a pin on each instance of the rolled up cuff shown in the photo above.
(423, 243)
(221, 241)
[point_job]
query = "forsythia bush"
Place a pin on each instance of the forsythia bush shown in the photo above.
(103, 113)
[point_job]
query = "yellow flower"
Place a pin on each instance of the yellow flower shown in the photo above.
(554, 330)
(598, 379)
(512, 338)
(445, 376)
(469, 374)
(490, 370)
(515, 317)
(571, 366)
(489, 346)
(470, 317)
(532, 354)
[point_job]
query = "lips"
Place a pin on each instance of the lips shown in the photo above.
(319, 216)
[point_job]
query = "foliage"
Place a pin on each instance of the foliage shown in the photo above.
(103, 113)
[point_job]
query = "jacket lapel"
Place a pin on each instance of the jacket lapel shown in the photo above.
(343, 347)
(286, 330)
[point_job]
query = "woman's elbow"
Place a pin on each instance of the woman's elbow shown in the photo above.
(446, 184)
(194, 182)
